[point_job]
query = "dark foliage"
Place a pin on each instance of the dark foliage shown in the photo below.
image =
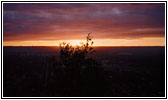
(76, 72)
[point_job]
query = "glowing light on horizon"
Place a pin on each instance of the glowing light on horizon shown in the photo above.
(76, 42)
(97, 42)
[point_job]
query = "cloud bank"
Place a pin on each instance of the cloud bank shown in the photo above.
(61, 21)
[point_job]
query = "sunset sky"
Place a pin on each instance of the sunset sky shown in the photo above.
(111, 24)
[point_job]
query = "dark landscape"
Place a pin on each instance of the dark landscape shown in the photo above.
(122, 72)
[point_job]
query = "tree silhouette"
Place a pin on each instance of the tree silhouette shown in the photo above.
(76, 70)
(75, 58)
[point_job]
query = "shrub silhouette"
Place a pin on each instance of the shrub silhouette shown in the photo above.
(77, 58)
(76, 72)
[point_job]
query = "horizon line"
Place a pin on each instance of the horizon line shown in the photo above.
(91, 46)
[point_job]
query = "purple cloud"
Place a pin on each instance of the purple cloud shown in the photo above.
(43, 20)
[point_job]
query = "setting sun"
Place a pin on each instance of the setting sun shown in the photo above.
(76, 42)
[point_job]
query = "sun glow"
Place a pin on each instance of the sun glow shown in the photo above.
(76, 42)
(97, 42)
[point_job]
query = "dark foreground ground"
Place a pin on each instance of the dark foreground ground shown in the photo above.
(126, 72)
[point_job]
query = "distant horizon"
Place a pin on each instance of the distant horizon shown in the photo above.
(92, 46)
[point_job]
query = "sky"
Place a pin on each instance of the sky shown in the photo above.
(110, 24)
